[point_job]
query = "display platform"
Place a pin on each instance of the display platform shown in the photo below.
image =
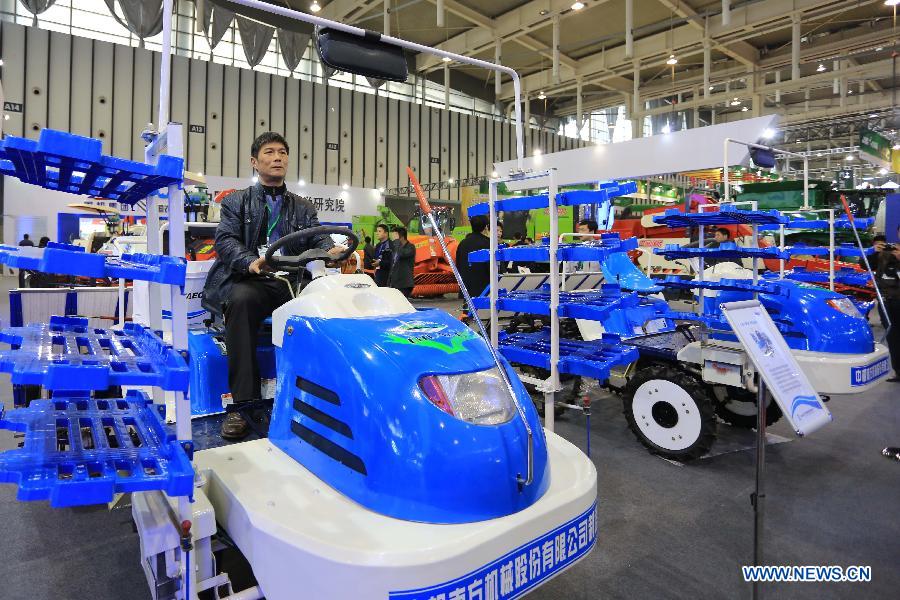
(298, 531)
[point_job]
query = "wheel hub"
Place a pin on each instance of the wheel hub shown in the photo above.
(666, 415)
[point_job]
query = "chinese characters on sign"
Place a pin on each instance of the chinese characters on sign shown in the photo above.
(327, 204)
(522, 569)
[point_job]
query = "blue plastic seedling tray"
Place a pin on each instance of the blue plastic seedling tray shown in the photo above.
(607, 191)
(67, 354)
(75, 164)
(841, 251)
(736, 285)
(725, 250)
(842, 223)
(589, 359)
(726, 215)
(66, 259)
(81, 451)
(594, 305)
(593, 250)
(845, 276)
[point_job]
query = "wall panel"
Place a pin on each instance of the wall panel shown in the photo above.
(88, 87)
(37, 43)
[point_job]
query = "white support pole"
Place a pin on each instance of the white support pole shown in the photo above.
(777, 90)
(446, 86)
(831, 248)
(440, 13)
(386, 15)
(549, 397)
(636, 89)
(527, 135)
(492, 269)
(556, 48)
(629, 28)
(707, 58)
(498, 48)
(795, 47)
(726, 12)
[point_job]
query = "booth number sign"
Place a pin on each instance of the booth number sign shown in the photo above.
(15, 107)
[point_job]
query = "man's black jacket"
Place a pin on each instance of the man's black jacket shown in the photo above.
(476, 276)
(240, 232)
(404, 262)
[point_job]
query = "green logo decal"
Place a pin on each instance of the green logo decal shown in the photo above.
(430, 335)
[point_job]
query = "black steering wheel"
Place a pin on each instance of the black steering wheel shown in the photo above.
(293, 264)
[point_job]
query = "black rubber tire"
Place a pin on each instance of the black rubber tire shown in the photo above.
(728, 393)
(699, 393)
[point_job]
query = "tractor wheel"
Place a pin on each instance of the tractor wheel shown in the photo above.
(737, 407)
(670, 412)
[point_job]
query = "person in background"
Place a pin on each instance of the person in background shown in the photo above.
(44, 241)
(382, 261)
(475, 276)
(887, 277)
(586, 226)
(720, 236)
(368, 254)
(403, 262)
(26, 241)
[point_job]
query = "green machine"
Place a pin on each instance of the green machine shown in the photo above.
(364, 225)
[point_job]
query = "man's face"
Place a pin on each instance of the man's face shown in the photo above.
(583, 228)
(719, 237)
(395, 235)
(380, 234)
(499, 231)
(272, 162)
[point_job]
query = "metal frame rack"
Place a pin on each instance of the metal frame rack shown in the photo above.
(545, 349)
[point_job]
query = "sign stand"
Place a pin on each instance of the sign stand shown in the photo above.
(778, 372)
(758, 497)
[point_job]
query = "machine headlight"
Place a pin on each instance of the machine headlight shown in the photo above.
(846, 306)
(480, 398)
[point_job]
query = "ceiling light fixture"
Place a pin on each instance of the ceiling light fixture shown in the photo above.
(537, 152)
(254, 179)
(315, 7)
(301, 183)
(744, 109)
(882, 171)
(381, 189)
(820, 68)
(735, 102)
(768, 133)
(451, 181)
(495, 174)
(345, 186)
(446, 59)
(672, 60)
(577, 5)
(891, 2)
(542, 96)
(849, 157)
(666, 129)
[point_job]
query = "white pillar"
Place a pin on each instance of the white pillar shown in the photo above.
(726, 12)
(440, 13)
(806, 100)
(579, 106)
(497, 54)
(777, 90)
(795, 48)
(629, 28)
(446, 86)
(636, 87)
(526, 125)
(706, 66)
(712, 116)
(556, 48)
(836, 83)
(387, 17)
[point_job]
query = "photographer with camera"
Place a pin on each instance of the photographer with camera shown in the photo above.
(887, 277)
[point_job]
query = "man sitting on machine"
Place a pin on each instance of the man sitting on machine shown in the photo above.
(238, 285)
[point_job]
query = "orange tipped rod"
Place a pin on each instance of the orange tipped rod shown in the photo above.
(847, 208)
(420, 193)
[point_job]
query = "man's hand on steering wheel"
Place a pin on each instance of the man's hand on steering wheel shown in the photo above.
(260, 266)
(293, 263)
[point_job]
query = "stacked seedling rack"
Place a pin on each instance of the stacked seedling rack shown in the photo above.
(544, 349)
(80, 446)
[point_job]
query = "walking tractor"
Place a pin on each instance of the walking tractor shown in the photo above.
(678, 372)
(404, 458)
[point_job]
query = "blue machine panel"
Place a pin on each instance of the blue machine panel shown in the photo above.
(209, 364)
(608, 191)
(595, 250)
(728, 250)
(66, 259)
(67, 354)
(81, 451)
(369, 431)
(74, 164)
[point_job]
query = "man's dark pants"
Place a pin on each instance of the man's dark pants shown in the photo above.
(251, 302)
(893, 337)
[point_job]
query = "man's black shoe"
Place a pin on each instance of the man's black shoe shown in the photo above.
(891, 452)
(235, 426)
(894, 379)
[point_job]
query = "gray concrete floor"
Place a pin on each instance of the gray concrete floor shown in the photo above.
(665, 531)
